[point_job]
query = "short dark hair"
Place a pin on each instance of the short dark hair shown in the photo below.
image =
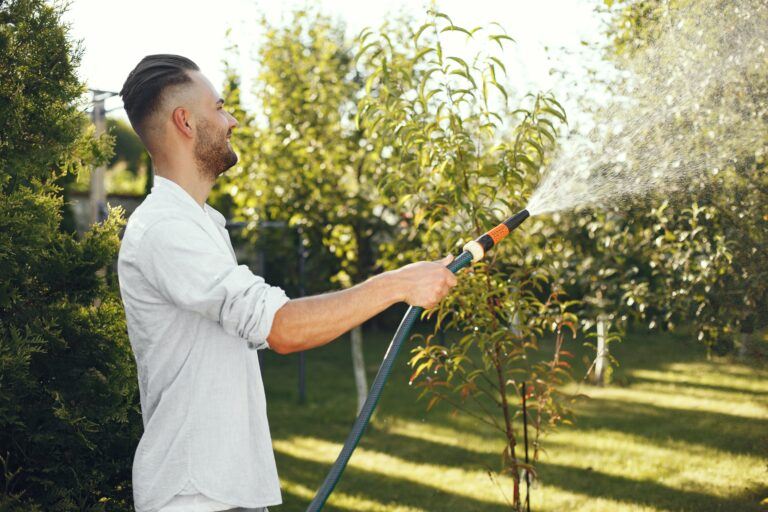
(144, 86)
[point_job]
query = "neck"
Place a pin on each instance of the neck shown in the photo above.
(188, 177)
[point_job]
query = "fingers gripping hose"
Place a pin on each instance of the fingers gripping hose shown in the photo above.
(473, 251)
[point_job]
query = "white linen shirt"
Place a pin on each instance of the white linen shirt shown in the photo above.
(195, 321)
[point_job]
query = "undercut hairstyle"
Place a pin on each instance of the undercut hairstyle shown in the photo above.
(143, 89)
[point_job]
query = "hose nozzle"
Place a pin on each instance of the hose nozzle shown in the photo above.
(485, 243)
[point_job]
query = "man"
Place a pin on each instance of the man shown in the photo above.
(196, 319)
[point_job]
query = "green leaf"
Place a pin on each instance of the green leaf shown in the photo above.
(370, 80)
(556, 113)
(454, 28)
(537, 147)
(388, 40)
(364, 34)
(463, 74)
(422, 53)
(520, 157)
(497, 116)
(548, 123)
(423, 366)
(502, 36)
(502, 91)
(442, 15)
(553, 101)
(545, 132)
(364, 50)
(463, 92)
(421, 31)
(460, 61)
(499, 38)
(500, 64)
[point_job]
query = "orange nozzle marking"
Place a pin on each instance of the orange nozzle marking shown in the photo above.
(498, 233)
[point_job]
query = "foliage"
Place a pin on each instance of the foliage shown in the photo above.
(121, 180)
(303, 162)
(128, 148)
(128, 170)
(458, 168)
(68, 415)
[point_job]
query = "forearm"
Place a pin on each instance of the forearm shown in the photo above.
(309, 322)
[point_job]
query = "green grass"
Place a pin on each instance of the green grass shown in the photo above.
(678, 433)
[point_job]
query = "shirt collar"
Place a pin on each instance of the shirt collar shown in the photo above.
(164, 185)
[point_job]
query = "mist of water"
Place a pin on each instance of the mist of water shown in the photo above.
(692, 104)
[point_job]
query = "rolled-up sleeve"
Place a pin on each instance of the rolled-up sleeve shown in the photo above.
(183, 263)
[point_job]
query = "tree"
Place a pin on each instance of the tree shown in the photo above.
(457, 168)
(304, 163)
(69, 419)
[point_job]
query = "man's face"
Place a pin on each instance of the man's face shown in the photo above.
(213, 151)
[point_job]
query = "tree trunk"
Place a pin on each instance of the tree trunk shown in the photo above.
(364, 264)
(602, 362)
(358, 366)
(742, 345)
(511, 441)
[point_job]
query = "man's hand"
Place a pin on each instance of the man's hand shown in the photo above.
(425, 283)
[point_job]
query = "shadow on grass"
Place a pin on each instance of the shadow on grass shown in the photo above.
(725, 432)
(374, 486)
(388, 490)
(573, 479)
(635, 379)
(424, 451)
(642, 492)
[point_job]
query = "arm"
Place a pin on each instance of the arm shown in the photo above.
(179, 259)
(309, 322)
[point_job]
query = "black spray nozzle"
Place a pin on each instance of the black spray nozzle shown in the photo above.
(514, 221)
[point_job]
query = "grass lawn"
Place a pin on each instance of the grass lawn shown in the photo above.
(678, 433)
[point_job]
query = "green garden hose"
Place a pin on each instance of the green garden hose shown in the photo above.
(473, 251)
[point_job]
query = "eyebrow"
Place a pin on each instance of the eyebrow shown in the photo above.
(220, 101)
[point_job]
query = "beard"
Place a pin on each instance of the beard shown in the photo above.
(212, 153)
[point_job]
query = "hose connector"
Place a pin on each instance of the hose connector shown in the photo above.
(481, 245)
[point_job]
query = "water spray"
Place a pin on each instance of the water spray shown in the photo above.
(472, 251)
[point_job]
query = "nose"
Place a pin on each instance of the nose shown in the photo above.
(232, 121)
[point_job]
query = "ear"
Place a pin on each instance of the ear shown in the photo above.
(182, 122)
